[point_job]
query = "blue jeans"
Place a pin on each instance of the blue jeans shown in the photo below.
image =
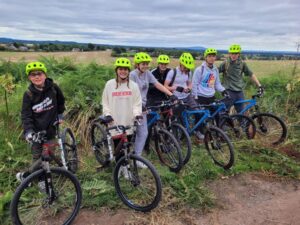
(235, 96)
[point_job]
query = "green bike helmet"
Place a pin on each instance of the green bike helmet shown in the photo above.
(35, 66)
(209, 51)
(142, 57)
(122, 62)
(163, 59)
(187, 60)
(235, 48)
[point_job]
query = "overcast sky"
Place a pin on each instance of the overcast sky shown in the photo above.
(255, 24)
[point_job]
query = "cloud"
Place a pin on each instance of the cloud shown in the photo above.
(265, 25)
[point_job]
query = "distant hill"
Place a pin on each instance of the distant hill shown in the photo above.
(193, 48)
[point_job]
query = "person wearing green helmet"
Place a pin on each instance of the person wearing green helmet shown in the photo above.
(121, 93)
(233, 69)
(143, 77)
(179, 81)
(43, 104)
(160, 73)
(206, 80)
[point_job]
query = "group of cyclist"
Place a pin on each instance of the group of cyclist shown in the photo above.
(126, 97)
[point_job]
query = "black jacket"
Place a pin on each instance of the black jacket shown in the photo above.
(41, 108)
(155, 95)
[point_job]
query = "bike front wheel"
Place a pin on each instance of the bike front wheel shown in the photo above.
(270, 128)
(139, 188)
(70, 150)
(38, 201)
(219, 147)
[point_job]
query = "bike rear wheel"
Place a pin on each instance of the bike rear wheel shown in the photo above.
(184, 140)
(219, 147)
(238, 127)
(31, 204)
(270, 128)
(168, 150)
(70, 149)
(100, 143)
(138, 188)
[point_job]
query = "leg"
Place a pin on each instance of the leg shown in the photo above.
(236, 96)
(141, 136)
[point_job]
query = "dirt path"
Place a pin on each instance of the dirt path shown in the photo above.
(248, 199)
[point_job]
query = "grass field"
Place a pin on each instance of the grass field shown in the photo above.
(259, 67)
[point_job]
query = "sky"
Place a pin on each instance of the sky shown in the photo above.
(254, 24)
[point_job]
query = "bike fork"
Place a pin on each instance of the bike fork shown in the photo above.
(62, 153)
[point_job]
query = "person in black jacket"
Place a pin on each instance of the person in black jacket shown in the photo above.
(160, 73)
(43, 104)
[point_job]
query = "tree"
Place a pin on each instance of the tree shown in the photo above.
(91, 46)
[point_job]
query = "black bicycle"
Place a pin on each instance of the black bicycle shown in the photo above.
(136, 180)
(47, 195)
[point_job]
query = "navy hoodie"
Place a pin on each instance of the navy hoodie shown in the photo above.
(40, 108)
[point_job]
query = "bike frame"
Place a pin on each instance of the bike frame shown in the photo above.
(251, 102)
(123, 141)
(186, 114)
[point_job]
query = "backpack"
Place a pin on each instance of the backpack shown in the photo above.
(226, 65)
(174, 76)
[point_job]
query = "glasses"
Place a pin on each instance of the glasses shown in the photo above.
(34, 74)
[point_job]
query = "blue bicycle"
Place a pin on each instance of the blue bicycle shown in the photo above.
(163, 115)
(270, 128)
(217, 143)
(166, 146)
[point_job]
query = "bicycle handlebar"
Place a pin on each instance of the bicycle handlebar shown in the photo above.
(162, 104)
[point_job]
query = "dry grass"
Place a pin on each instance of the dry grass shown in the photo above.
(260, 67)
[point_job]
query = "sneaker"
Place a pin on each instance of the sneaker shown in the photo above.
(20, 176)
(199, 135)
(141, 165)
(42, 186)
(124, 172)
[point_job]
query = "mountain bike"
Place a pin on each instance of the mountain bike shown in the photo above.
(270, 128)
(138, 187)
(49, 194)
(216, 141)
(167, 147)
(162, 115)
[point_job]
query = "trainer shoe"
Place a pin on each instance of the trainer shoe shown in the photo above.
(20, 176)
(141, 165)
(42, 186)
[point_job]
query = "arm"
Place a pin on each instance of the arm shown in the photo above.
(105, 101)
(27, 115)
(137, 102)
(168, 81)
(218, 86)
(170, 88)
(252, 76)
(255, 80)
(60, 100)
(163, 89)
